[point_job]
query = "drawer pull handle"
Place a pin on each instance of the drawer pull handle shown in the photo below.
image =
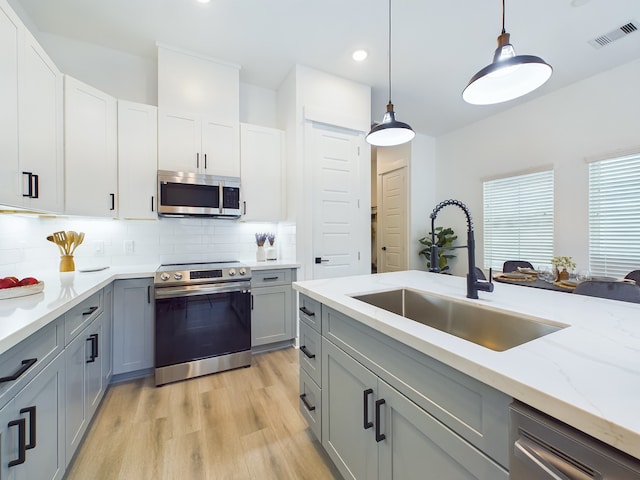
(379, 436)
(308, 406)
(22, 446)
(307, 312)
(90, 311)
(26, 365)
(304, 350)
(366, 423)
(32, 426)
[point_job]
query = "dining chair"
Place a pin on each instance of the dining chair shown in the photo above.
(480, 274)
(512, 265)
(633, 275)
(626, 292)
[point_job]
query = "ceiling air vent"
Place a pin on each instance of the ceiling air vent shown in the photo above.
(614, 35)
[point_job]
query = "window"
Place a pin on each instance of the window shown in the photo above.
(518, 219)
(614, 216)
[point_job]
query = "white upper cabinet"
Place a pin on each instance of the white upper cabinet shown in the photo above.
(10, 175)
(262, 171)
(137, 160)
(41, 127)
(199, 114)
(91, 163)
(31, 171)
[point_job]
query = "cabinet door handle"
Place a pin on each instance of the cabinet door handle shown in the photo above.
(36, 186)
(366, 424)
(270, 279)
(152, 203)
(307, 312)
(244, 207)
(92, 357)
(113, 201)
(95, 341)
(32, 426)
(90, 311)
(197, 160)
(308, 406)
(379, 436)
(304, 350)
(205, 161)
(29, 193)
(251, 302)
(26, 365)
(149, 294)
(22, 446)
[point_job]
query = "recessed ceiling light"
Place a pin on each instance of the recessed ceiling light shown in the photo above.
(203, 1)
(359, 55)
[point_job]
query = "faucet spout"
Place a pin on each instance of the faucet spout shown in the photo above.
(473, 284)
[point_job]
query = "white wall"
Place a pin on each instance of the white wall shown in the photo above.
(24, 249)
(593, 118)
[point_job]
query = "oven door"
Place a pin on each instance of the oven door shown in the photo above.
(203, 321)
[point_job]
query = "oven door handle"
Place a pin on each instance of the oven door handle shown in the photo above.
(193, 290)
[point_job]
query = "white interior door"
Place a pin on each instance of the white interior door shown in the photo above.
(335, 156)
(393, 222)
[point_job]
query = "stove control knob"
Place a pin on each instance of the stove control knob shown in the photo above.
(242, 271)
(165, 276)
(232, 272)
(177, 276)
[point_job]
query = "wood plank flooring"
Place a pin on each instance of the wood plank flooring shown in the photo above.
(241, 424)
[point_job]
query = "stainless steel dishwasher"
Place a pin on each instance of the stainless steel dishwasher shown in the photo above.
(542, 448)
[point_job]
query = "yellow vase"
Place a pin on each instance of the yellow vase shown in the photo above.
(67, 264)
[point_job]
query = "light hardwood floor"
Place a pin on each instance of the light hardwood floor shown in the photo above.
(240, 424)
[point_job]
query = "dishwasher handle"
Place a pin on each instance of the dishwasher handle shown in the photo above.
(526, 451)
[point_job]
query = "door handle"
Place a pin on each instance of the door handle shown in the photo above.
(26, 365)
(379, 436)
(29, 193)
(384, 249)
(32, 426)
(304, 350)
(321, 260)
(22, 446)
(309, 407)
(113, 201)
(366, 423)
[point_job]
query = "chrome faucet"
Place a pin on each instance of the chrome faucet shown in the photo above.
(473, 284)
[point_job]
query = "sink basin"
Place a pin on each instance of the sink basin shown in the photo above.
(492, 329)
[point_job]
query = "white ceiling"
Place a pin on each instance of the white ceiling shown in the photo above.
(436, 45)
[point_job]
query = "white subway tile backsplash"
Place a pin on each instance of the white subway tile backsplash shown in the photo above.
(24, 249)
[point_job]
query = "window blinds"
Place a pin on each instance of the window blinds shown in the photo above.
(614, 216)
(518, 219)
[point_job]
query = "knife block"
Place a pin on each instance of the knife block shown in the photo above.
(67, 264)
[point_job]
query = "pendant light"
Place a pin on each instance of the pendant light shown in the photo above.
(390, 132)
(509, 76)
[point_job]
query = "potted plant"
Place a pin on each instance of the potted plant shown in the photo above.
(562, 266)
(261, 254)
(444, 241)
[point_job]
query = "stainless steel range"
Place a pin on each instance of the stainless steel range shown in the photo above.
(202, 320)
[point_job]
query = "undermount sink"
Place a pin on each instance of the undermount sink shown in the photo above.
(492, 329)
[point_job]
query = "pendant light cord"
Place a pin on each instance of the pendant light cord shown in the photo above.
(503, 30)
(390, 51)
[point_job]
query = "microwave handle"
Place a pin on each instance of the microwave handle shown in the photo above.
(220, 196)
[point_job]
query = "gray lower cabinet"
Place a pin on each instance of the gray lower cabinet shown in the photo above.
(133, 316)
(32, 428)
(85, 383)
(390, 412)
(272, 318)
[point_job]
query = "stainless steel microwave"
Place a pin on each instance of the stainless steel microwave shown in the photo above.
(182, 194)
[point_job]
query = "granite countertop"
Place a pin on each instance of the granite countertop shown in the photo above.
(586, 375)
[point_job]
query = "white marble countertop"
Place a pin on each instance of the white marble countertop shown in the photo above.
(587, 375)
(23, 316)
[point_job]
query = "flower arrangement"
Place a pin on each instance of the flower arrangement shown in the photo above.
(563, 262)
(261, 238)
(272, 238)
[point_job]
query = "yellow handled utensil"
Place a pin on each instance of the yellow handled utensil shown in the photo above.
(52, 240)
(78, 240)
